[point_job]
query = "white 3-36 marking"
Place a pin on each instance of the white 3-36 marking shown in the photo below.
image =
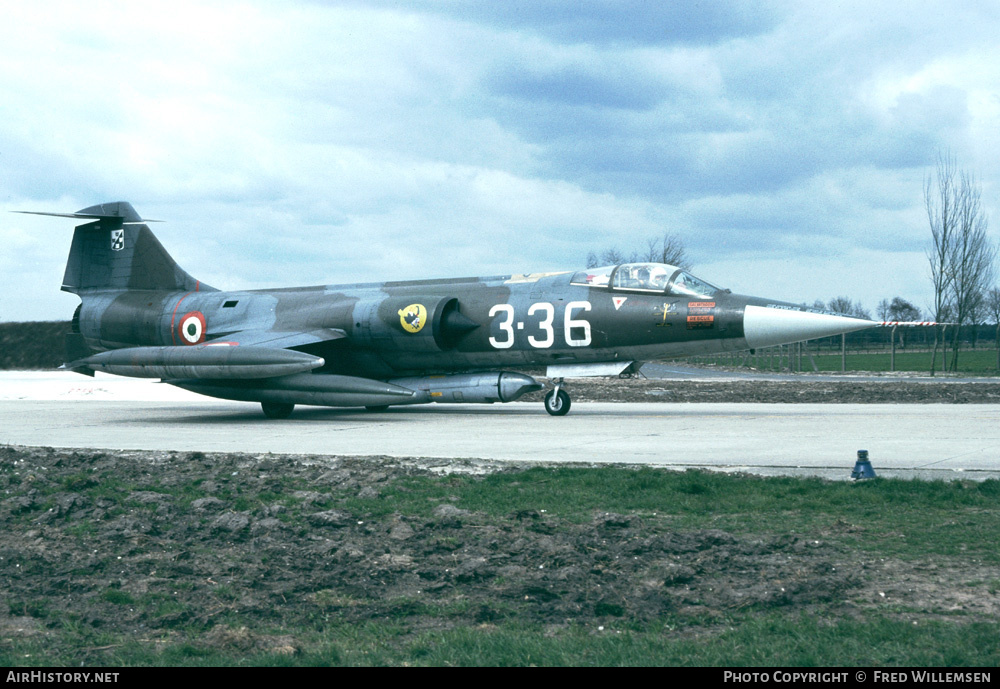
(548, 337)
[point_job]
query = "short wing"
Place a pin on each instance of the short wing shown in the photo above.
(278, 339)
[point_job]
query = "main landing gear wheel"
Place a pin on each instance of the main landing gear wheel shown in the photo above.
(277, 410)
(557, 402)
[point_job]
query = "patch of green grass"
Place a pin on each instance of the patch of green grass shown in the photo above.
(891, 516)
(38, 608)
(770, 640)
(743, 639)
(971, 361)
(78, 482)
(111, 488)
(81, 529)
(118, 597)
(750, 640)
(246, 503)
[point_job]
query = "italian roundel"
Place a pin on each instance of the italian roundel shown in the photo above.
(192, 328)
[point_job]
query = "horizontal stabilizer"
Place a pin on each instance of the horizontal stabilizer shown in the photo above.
(120, 211)
(200, 362)
(88, 217)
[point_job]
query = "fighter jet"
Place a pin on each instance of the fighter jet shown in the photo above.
(376, 345)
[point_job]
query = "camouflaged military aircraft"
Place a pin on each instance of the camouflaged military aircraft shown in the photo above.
(376, 345)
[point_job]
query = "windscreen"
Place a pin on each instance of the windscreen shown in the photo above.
(646, 277)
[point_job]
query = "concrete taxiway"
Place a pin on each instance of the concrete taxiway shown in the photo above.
(927, 441)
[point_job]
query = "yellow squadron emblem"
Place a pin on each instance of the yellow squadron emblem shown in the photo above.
(413, 318)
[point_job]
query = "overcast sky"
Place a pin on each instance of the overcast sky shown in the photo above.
(322, 142)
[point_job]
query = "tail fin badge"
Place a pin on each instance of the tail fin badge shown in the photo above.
(117, 240)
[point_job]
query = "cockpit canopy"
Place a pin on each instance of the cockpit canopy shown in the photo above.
(646, 277)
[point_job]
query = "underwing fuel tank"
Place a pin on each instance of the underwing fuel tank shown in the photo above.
(348, 391)
(325, 390)
(479, 388)
(209, 361)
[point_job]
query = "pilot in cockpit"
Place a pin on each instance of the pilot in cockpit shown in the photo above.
(658, 278)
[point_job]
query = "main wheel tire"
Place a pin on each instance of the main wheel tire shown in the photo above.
(277, 410)
(557, 404)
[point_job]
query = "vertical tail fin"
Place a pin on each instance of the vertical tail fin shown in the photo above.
(118, 251)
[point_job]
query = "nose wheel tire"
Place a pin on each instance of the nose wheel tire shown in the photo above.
(557, 402)
(277, 410)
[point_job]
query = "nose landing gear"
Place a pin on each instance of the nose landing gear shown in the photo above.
(557, 401)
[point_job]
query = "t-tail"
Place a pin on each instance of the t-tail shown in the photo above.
(118, 251)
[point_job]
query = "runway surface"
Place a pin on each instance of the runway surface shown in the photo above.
(928, 441)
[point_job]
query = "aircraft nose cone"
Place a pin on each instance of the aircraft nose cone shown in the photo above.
(765, 326)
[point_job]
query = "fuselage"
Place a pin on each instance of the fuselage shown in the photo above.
(383, 344)
(419, 327)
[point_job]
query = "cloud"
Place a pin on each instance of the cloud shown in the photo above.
(622, 22)
(316, 142)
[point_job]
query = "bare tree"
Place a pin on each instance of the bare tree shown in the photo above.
(902, 310)
(840, 305)
(884, 310)
(609, 257)
(972, 257)
(845, 306)
(666, 249)
(962, 257)
(940, 202)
